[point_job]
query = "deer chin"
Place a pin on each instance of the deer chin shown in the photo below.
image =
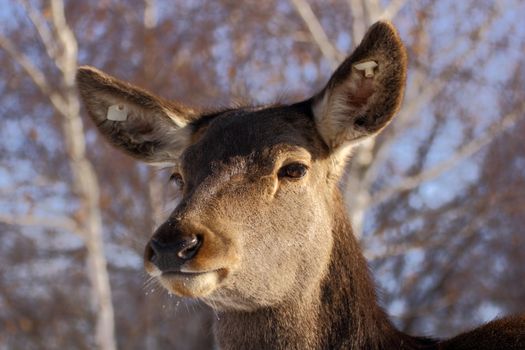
(223, 299)
(192, 284)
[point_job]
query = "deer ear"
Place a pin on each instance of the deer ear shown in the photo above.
(143, 125)
(365, 91)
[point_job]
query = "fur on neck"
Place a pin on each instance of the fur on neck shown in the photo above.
(342, 311)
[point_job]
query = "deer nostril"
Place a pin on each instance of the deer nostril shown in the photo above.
(149, 253)
(190, 248)
(170, 255)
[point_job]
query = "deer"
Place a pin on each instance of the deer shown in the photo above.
(260, 232)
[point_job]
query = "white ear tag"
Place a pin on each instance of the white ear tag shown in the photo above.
(118, 113)
(368, 67)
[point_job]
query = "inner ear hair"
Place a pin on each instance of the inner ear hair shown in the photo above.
(134, 120)
(366, 90)
(97, 87)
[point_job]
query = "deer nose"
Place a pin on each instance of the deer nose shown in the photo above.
(170, 255)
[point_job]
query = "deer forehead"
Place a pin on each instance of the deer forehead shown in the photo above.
(243, 140)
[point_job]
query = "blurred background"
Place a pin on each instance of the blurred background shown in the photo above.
(438, 200)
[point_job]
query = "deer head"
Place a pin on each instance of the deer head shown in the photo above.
(254, 223)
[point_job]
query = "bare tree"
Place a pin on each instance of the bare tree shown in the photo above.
(61, 46)
(433, 209)
(403, 233)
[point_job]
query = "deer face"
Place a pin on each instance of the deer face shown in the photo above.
(254, 221)
(253, 207)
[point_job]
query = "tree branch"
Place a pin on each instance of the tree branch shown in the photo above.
(42, 29)
(470, 236)
(58, 223)
(426, 91)
(311, 21)
(34, 73)
(67, 62)
(464, 152)
(392, 9)
(150, 17)
(372, 10)
(358, 21)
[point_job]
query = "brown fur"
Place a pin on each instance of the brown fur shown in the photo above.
(352, 106)
(277, 259)
(139, 136)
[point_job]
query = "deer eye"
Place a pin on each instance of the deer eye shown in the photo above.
(293, 171)
(177, 179)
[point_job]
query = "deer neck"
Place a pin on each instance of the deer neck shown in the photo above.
(341, 312)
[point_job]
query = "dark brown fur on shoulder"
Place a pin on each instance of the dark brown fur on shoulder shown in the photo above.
(507, 333)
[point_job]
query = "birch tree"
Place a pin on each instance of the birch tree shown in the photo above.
(61, 46)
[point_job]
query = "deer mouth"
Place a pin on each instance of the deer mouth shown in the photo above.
(193, 284)
(169, 274)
